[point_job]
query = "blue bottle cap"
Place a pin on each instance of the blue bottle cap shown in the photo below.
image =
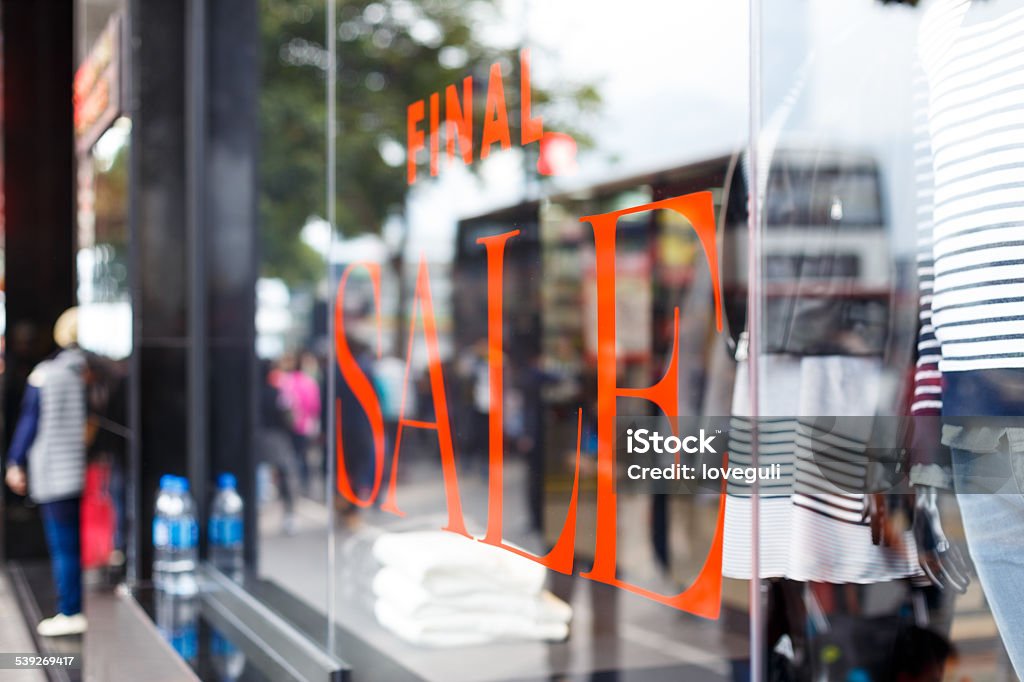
(227, 481)
(174, 484)
(858, 675)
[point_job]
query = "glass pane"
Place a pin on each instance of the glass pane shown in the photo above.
(477, 414)
(293, 513)
(105, 331)
(864, 116)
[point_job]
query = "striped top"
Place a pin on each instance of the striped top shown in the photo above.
(969, 166)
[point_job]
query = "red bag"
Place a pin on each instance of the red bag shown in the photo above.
(97, 524)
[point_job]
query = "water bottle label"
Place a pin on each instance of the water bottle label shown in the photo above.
(186, 642)
(161, 533)
(225, 531)
(175, 533)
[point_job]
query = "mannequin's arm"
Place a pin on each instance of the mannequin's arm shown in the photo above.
(940, 559)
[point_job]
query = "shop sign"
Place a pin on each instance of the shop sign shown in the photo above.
(96, 89)
(703, 596)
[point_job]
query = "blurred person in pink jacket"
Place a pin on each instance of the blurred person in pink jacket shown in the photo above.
(301, 396)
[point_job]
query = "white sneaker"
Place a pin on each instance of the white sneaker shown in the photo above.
(61, 625)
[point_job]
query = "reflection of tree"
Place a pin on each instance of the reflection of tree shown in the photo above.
(110, 241)
(390, 54)
(111, 200)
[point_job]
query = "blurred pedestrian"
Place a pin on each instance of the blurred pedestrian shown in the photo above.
(275, 444)
(47, 461)
(314, 366)
(474, 372)
(301, 396)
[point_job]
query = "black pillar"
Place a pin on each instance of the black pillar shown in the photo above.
(159, 265)
(230, 213)
(194, 110)
(38, 211)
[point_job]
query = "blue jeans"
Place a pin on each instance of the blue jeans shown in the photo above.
(990, 490)
(61, 522)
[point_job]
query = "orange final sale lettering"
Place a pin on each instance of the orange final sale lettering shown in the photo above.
(532, 128)
(560, 558)
(703, 596)
(414, 137)
(442, 425)
(361, 387)
(458, 121)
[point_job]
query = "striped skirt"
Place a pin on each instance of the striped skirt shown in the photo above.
(811, 519)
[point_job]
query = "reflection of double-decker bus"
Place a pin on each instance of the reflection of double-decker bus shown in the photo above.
(550, 307)
(550, 303)
(825, 278)
(826, 272)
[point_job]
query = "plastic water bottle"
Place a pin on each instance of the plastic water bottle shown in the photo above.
(228, 661)
(165, 503)
(175, 538)
(226, 530)
(177, 620)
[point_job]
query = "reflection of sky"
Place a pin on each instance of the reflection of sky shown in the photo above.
(110, 144)
(673, 78)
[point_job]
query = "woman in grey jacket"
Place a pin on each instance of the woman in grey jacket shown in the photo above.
(47, 461)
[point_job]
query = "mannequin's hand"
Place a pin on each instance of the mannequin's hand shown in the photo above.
(876, 512)
(16, 480)
(940, 559)
(886, 513)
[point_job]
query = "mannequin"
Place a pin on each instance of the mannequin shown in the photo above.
(821, 344)
(970, 369)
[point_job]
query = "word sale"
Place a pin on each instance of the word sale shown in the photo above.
(703, 596)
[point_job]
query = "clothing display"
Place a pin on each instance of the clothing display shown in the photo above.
(970, 365)
(970, 208)
(811, 520)
(439, 589)
(992, 522)
(820, 342)
(445, 563)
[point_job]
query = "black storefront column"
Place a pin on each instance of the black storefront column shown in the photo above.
(232, 265)
(158, 403)
(193, 104)
(38, 185)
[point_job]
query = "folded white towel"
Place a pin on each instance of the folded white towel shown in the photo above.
(411, 599)
(466, 629)
(446, 563)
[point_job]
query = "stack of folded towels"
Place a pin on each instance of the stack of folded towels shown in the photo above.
(435, 588)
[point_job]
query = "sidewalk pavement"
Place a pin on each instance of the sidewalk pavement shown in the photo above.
(14, 636)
